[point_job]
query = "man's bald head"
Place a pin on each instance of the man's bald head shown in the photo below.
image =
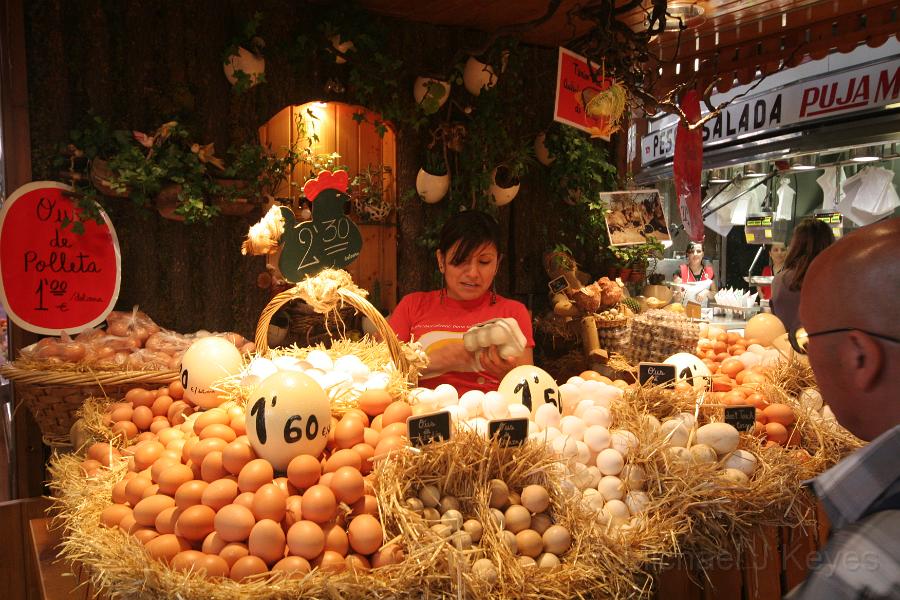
(850, 299)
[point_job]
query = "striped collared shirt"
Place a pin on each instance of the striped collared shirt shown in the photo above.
(861, 495)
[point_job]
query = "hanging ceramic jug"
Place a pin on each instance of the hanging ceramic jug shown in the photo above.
(502, 195)
(432, 188)
(478, 75)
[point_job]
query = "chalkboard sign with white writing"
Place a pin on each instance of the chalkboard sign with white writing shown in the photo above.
(742, 418)
(509, 432)
(330, 239)
(428, 429)
(656, 374)
(57, 272)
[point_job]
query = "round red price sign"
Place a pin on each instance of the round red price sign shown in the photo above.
(52, 278)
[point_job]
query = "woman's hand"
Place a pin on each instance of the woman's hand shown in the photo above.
(498, 367)
(450, 357)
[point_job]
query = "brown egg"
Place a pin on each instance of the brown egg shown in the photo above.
(367, 505)
(126, 429)
(239, 425)
(190, 493)
(144, 534)
(159, 424)
(213, 543)
(286, 486)
(293, 512)
(236, 455)
(219, 493)
(178, 411)
(269, 502)
(213, 416)
(392, 430)
(140, 397)
(113, 514)
(348, 485)
(146, 453)
(103, 453)
(267, 541)
(223, 432)
(356, 413)
(204, 447)
(529, 543)
(173, 477)
(374, 402)
(349, 432)
(176, 390)
(294, 566)
(366, 456)
(306, 539)
(389, 555)
(343, 458)
(161, 405)
(332, 562)
(366, 534)
(165, 547)
(214, 565)
(247, 567)
(121, 412)
(370, 437)
(326, 479)
(186, 560)
(304, 471)
(336, 538)
(145, 436)
(118, 492)
(245, 499)
(234, 523)
(166, 520)
(212, 468)
(146, 511)
(195, 522)
(396, 412)
(134, 489)
(376, 424)
(357, 562)
(150, 490)
(776, 432)
(142, 416)
(234, 551)
(779, 413)
(389, 444)
(255, 474)
(319, 504)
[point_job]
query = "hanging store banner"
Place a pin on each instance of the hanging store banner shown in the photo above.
(580, 102)
(57, 273)
(852, 91)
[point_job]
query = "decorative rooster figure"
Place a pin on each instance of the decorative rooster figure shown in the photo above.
(330, 239)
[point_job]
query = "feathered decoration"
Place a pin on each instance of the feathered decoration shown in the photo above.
(263, 237)
(206, 154)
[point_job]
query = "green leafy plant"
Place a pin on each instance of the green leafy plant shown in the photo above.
(250, 40)
(637, 256)
(582, 170)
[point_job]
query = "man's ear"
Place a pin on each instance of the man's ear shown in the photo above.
(864, 358)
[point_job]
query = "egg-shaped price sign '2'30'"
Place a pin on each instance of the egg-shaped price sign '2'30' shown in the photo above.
(289, 414)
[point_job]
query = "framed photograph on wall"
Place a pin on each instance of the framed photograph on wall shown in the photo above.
(634, 216)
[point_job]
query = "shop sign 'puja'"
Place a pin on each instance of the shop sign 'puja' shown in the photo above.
(288, 415)
(428, 429)
(57, 271)
(330, 239)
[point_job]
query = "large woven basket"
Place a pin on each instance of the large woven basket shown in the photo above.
(54, 397)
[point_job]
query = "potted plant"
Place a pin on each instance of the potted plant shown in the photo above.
(585, 171)
(243, 62)
(504, 185)
(433, 180)
(478, 76)
(430, 94)
(368, 193)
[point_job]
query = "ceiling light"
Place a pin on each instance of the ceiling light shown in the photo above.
(865, 154)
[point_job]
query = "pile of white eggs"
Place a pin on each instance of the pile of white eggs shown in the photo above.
(337, 376)
(711, 444)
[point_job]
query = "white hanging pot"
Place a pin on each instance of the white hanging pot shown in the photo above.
(502, 195)
(420, 89)
(251, 64)
(432, 188)
(478, 75)
(540, 150)
(342, 47)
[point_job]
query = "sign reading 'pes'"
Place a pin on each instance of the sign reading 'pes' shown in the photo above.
(53, 279)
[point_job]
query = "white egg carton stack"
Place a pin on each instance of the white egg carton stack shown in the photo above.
(503, 333)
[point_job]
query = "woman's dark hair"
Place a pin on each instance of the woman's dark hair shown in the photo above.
(472, 229)
(810, 237)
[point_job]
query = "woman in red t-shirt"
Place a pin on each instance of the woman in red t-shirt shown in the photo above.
(468, 256)
(777, 254)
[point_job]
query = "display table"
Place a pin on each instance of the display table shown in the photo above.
(55, 578)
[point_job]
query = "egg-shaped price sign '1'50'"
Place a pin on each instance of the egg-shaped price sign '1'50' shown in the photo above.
(531, 386)
(288, 415)
(208, 360)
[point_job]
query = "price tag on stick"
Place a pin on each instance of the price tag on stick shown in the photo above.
(656, 374)
(509, 432)
(742, 418)
(428, 429)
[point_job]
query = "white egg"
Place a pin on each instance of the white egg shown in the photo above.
(828, 414)
(594, 501)
(637, 502)
(749, 359)
(623, 440)
(519, 411)
(455, 413)
(495, 407)
(537, 436)
(741, 460)
(378, 380)
(581, 477)
(611, 487)
(320, 360)
(616, 512)
(570, 396)
(675, 433)
(584, 453)
(250, 381)
(354, 366)
(582, 406)
(610, 461)
(576, 380)
(288, 363)
(596, 475)
(597, 415)
(445, 395)
(609, 392)
(262, 367)
(551, 433)
(811, 397)
(756, 349)
(470, 403)
(547, 416)
(634, 476)
(650, 422)
(572, 426)
(565, 447)
(534, 429)
(714, 332)
(597, 438)
(479, 425)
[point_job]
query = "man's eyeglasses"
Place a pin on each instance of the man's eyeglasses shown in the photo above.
(800, 339)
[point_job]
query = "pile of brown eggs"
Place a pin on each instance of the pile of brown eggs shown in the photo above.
(198, 497)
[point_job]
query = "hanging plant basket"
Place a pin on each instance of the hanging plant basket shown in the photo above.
(167, 202)
(432, 188)
(504, 186)
(478, 76)
(247, 62)
(431, 94)
(101, 177)
(540, 150)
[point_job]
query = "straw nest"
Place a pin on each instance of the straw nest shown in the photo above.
(119, 567)
(596, 565)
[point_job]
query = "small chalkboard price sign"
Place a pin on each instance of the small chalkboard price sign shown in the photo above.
(558, 285)
(509, 432)
(428, 429)
(742, 418)
(330, 239)
(656, 374)
(57, 272)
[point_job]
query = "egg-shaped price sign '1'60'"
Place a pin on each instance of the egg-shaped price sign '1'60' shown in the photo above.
(531, 386)
(288, 415)
(208, 360)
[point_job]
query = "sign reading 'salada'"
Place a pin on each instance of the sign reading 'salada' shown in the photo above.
(53, 279)
(855, 90)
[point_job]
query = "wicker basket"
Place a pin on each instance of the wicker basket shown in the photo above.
(53, 397)
(308, 328)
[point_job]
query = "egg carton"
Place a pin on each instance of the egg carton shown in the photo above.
(503, 333)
